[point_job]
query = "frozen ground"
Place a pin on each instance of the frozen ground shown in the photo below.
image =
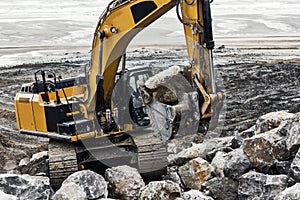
(40, 30)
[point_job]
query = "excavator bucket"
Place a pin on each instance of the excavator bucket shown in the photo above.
(172, 103)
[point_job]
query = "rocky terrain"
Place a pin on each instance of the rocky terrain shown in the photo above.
(259, 163)
(249, 155)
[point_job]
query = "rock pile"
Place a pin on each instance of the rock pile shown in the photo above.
(259, 163)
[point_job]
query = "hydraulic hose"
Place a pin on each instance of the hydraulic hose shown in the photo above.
(178, 15)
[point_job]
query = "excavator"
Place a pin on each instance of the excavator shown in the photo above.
(112, 115)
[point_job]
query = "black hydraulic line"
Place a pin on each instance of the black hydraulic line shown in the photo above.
(207, 20)
(101, 35)
(178, 15)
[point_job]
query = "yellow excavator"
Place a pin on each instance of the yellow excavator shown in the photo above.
(112, 115)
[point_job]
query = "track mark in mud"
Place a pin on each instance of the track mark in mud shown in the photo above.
(253, 90)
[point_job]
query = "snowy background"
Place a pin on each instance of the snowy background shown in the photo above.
(33, 28)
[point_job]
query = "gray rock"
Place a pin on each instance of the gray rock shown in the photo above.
(26, 186)
(176, 145)
(237, 164)
(125, 181)
(5, 196)
(163, 77)
(221, 188)
(70, 191)
(195, 195)
(295, 167)
(195, 172)
(291, 193)
(160, 190)
(38, 164)
(93, 184)
(260, 149)
(254, 185)
(210, 146)
(271, 120)
(218, 163)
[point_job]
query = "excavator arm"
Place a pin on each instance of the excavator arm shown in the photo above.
(122, 20)
(118, 24)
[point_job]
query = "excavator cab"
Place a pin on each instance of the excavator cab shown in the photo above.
(127, 98)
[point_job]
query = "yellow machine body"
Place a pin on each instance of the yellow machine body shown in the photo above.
(52, 112)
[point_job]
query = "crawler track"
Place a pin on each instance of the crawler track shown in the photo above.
(152, 158)
(146, 152)
(62, 162)
(152, 152)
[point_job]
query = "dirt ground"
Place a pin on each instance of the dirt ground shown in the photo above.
(255, 82)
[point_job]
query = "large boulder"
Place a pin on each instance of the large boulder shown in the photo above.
(124, 181)
(206, 149)
(221, 188)
(93, 184)
(292, 193)
(70, 191)
(237, 164)
(195, 195)
(261, 149)
(286, 124)
(162, 190)
(271, 120)
(254, 185)
(195, 172)
(295, 167)
(26, 186)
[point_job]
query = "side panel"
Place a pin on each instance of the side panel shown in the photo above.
(24, 111)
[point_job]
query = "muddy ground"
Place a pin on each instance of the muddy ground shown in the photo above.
(255, 83)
